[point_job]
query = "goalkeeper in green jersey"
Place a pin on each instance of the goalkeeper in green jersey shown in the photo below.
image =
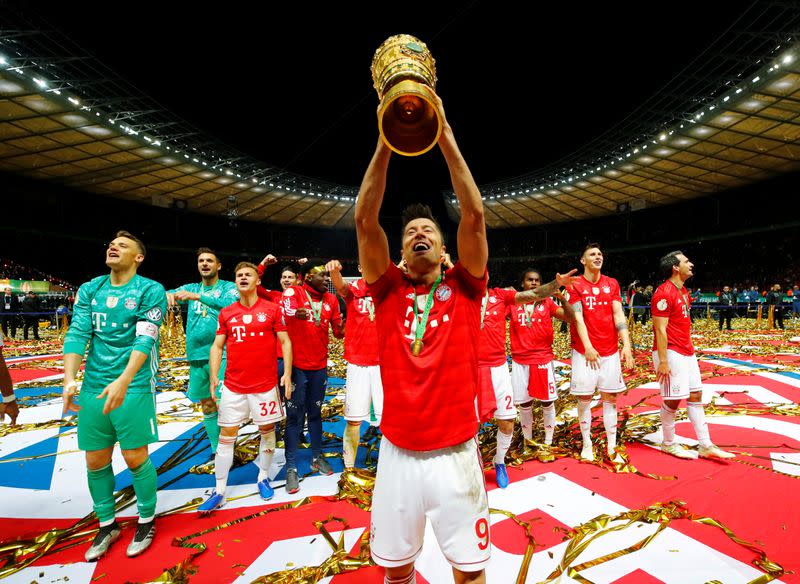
(205, 299)
(118, 316)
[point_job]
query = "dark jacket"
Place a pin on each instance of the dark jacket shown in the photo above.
(31, 304)
(13, 303)
(727, 298)
(774, 298)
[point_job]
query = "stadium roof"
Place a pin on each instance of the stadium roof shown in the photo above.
(731, 118)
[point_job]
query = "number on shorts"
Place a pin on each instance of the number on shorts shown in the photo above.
(268, 409)
(508, 402)
(482, 531)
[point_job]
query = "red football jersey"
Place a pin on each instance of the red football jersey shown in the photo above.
(532, 332)
(672, 302)
(596, 299)
(492, 342)
(360, 331)
(250, 345)
(429, 400)
(309, 340)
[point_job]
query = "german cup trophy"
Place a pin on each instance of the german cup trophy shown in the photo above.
(404, 75)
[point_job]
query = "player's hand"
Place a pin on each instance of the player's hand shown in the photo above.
(288, 387)
(333, 266)
(11, 409)
(302, 261)
(402, 265)
(183, 295)
(213, 385)
(114, 394)
(171, 300)
(663, 371)
(592, 358)
(301, 313)
(627, 357)
(447, 262)
(565, 280)
(70, 390)
(269, 259)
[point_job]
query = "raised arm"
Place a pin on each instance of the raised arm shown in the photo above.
(334, 268)
(545, 290)
(373, 247)
(473, 249)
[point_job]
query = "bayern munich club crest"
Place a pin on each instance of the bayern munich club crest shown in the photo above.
(443, 293)
(261, 317)
(607, 289)
(130, 303)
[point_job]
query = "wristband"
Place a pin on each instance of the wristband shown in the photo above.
(7, 399)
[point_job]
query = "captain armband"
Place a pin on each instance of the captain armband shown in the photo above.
(145, 328)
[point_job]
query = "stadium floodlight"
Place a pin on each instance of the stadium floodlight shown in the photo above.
(787, 58)
(40, 82)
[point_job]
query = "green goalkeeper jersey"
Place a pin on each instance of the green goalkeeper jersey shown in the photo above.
(201, 322)
(114, 321)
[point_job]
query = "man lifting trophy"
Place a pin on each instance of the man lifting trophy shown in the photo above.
(429, 467)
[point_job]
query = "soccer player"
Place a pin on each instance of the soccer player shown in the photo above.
(207, 299)
(599, 321)
(118, 316)
(495, 381)
(532, 367)
(364, 387)
(674, 359)
(429, 464)
(9, 404)
(310, 310)
(248, 330)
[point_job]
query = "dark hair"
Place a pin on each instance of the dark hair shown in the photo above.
(202, 250)
(591, 245)
(290, 268)
(419, 211)
(241, 265)
(129, 235)
(669, 261)
(527, 271)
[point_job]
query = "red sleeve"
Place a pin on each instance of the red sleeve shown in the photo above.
(261, 269)
(381, 287)
(262, 292)
(222, 327)
(474, 287)
(552, 306)
(615, 290)
(572, 295)
(509, 297)
(277, 322)
(290, 301)
(660, 304)
(336, 313)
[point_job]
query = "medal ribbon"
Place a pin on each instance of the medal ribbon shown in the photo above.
(423, 323)
(370, 307)
(316, 308)
(528, 313)
(485, 305)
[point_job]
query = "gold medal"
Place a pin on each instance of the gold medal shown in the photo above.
(416, 347)
(372, 318)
